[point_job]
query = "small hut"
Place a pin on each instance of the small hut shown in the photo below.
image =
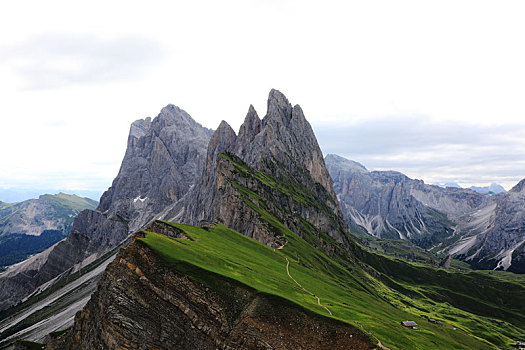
(409, 324)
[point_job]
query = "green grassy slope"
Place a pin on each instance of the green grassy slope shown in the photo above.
(71, 201)
(351, 295)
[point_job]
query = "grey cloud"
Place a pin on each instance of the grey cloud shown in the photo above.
(52, 61)
(396, 134)
(431, 150)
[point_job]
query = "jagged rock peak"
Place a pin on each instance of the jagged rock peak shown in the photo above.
(249, 129)
(252, 124)
(278, 108)
(223, 139)
(173, 115)
(224, 135)
(286, 136)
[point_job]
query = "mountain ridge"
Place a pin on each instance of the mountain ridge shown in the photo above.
(481, 230)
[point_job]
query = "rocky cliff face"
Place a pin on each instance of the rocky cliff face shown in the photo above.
(280, 148)
(143, 304)
(163, 158)
(487, 232)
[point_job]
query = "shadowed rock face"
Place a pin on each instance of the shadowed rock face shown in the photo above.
(163, 158)
(282, 145)
(141, 303)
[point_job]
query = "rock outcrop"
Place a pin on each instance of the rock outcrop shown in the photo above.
(143, 304)
(163, 158)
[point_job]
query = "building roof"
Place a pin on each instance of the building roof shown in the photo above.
(409, 323)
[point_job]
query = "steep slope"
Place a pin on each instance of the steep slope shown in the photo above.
(163, 158)
(33, 225)
(388, 204)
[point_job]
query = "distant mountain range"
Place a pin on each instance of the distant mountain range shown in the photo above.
(493, 188)
(14, 194)
(33, 225)
(485, 231)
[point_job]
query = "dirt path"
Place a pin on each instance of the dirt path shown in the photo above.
(281, 247)
(307, 291)
(381, 346)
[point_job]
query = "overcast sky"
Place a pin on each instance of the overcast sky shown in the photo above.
(434, 89)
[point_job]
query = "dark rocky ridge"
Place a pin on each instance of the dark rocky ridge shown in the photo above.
(144, 304)
(162, 160)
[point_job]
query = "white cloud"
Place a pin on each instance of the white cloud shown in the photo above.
(437, 152)
(60, 60)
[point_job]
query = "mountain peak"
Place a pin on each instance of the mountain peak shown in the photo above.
(252, 126)
(284, 137)
(172, 114)
(223, 139)
(224, 132)
(334, 160)
(278, 108)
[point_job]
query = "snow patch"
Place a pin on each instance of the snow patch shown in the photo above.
(139, 199)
